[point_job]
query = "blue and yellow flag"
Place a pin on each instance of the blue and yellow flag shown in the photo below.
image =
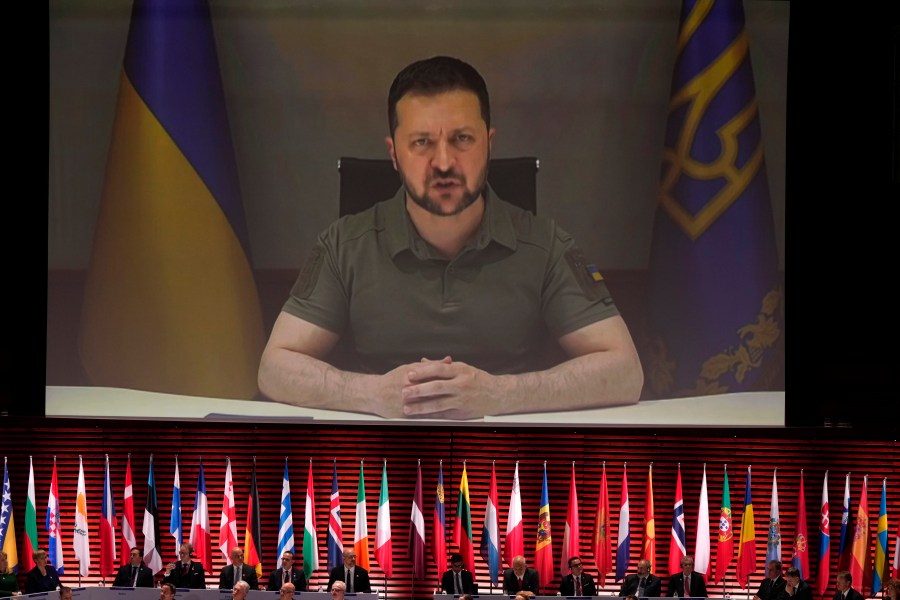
(170, 301)
(882, 567)
(715, 303)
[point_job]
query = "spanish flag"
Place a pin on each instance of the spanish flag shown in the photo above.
(170, 301)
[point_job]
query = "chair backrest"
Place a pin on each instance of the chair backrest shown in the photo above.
(365, 181)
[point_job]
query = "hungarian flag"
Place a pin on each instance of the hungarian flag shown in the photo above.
(54, 544)
(701, 549)
(108, 526)
(649, 547)
(228, 520)
(335, 530)
(514, 544)
(571, 534)
(602, 552)
(800, 555)
(859, 549)
(310, 541)
(200, 538)
(30, 544)
(746, 560)
(623, 547)
(439, 524)
(823, 576)
(677, 545)
(150, 526)
(128, 523)
(361, 529)
(543, 546)
(725, 544)
(416, 549)
(384, 552)
(490, 533)
(252, 554)
(462, 528)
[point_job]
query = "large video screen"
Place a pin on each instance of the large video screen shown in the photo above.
(194, 170)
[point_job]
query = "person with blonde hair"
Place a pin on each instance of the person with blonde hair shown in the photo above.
(9, 586)
(43, 577)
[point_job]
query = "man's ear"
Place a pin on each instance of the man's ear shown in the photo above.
(389, 142)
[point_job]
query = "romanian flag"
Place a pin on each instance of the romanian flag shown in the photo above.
(746, 561)
(170, 301)
(439, 524)
(543, 547)
(462, 528)
(714, 298)
(859, 547)
(882, 568)
(725, 543)
(649, 550)
(602, 552)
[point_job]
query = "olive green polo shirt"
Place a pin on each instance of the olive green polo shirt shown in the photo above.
(394, 299)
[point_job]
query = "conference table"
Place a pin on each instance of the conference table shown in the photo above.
(126, 593)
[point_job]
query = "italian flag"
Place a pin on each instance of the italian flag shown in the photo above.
(383, 551)
(361, 532)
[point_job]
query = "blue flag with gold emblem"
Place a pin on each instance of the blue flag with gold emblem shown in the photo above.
(715, 304)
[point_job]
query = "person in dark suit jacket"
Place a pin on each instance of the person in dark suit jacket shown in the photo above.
(568, 586)
(652, 584)
(248, 573)
(796, 588)
(448, 583)
(185, 573)
(520, 571)
(696, 584)
(287, 574)
(360, 576)
(772, 587)
(844, 585)
(134, 574)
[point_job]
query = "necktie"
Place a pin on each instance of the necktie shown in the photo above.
(640, 591)
(349, 582)
(578, 586)
(520, 583)
(459, 589)
(285, 576)
(687, 586)
(134, 572)
(237, 575)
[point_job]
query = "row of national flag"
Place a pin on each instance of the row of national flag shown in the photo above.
(852, 549)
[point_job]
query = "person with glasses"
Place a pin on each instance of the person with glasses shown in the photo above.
(338, 589)
(185, 573)
(577, 582)
(458, 580)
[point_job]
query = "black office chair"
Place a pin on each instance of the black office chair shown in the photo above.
(365, 181)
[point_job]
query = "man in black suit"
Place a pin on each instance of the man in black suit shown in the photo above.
(458, 580)
(134, 574)
(521, 578)
(773, 586)
(185, 573)
(577, 582)
(844, 587)
(356, 578)
(287, 574)
(796, 588)
(643, 583)
(687, 584)
(237, 571)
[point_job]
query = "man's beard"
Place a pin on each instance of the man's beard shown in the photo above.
(435, 207)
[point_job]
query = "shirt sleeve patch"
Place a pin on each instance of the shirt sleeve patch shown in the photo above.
(309, 274)
(586, 274)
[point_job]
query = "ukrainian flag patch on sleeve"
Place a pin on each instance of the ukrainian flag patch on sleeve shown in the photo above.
(594, 272)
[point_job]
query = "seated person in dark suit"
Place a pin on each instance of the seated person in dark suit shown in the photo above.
(643, 583)
(577, 582)
(237, 571)
(844, 585)
(687, 584)
(521, 578)
(185, 573)
(287, 574)
(796, 588)
(43, 577)
(356, 578)
(772, 587)
(135, 573)
(458, 580)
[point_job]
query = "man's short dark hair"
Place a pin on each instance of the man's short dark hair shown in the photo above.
(456, 558)
(793, 572)
(846, 576)
(437, 75)
(776, 564)
(574, 558)
(171, 587)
